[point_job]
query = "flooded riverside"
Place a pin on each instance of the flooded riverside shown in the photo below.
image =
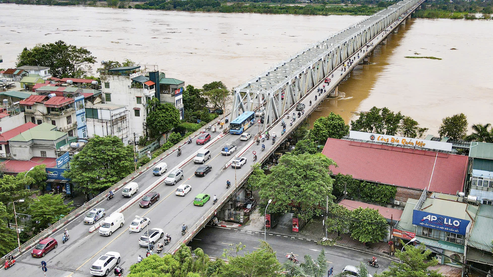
(203, 47)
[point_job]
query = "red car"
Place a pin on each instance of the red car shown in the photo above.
(43, 247)
(151, 198)
(203, 138)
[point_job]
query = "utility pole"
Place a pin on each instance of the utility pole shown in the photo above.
(135, 151)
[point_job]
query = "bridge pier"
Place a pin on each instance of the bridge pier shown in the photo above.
(334, 93)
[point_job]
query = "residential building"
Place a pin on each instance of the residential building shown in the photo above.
(171, 91)
(6, 136)
(14, 74)
(125, 87)
(28, 82)
(42, 71)
(481, 172)
(57, 110)
(108, 120)
(11, 115)
(40, 141)
(479, 241)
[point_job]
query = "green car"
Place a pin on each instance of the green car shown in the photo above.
(201, 199)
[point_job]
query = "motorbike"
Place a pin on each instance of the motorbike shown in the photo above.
(263, 147)
(9, 264)
(273, 140)
(374, 264)
(110, 196)
(183, 231)
(292, 258)
(214, 202)
(179, 152)
(159, 248)
(254, 158)
(258, 141)
(189, 141)
(228, 184)
(65, 238)
(267, 136)
(167, 241)
(118, 271)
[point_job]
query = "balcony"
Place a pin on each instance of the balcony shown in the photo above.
(68, 127)
(61, 113)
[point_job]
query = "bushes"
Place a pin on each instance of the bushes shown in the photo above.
(364, 191)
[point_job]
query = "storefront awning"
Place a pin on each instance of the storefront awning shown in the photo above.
(57, 181)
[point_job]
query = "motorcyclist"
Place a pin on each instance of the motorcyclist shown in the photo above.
(149, 252)
(168, 238)
(139, 259)
(228, 183)
(310, 102)
(263, 147)
(159, 247)
(111, 194)
(66, 233)
(179, 151)
(189, 140)
(118, 270)
(254, 157)
(373, 261)
(214, 198)
(184, 228)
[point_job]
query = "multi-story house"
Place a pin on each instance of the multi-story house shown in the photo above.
(108, 120)
(11, 115)
(56, 110)
(42, 71)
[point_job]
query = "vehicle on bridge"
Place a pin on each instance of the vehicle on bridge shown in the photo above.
(139, 223)
(43, 247)
(201, 199)
(245, 136)
(203, 139)
(203, 170)
(238, 162)
(111, 224)
(105, 263)
(241, 123)
(94, 215)
(155, 235)
(174, 177)
(151, 198)
(182, 190)
(228, 149)
(202, 156)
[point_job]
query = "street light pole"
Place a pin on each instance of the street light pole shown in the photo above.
(265, 223)
(412, 240)
(16, 226)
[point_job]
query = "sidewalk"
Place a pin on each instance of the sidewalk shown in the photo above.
(314, 231)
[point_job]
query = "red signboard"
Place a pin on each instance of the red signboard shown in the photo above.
(267, 221)
(403, 234)
(296, 226)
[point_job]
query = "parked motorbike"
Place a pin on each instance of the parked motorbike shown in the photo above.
(374, 264)
(9, 263)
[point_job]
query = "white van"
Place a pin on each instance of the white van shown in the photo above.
(130, 189)
(159, 169)
(111, 224)
(202, 156)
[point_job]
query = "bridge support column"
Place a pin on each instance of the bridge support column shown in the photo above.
(334, 93)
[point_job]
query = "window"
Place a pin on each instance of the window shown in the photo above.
(426, 232)
(29, 107)
(485, 201)
(53, 122)
(139, 100)
(1, 148)
(43, 153)
(71, 133)
(69, 119)
(137, 113)
(107, 97)
(33, 120)
(455, 238)
(40, 122)
(106, 84)
(178, 102)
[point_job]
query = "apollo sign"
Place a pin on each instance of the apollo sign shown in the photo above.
(440, 222)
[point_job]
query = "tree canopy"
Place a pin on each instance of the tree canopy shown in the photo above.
(261, 262)
(217, 93)
(48, 209)
(414, 263)
(454, 127)
(39, 176)
(367, 225)
(311, 267)
(64, 61)
(102, 162)
(162, 118)
(331, 126)
(195, 105)
(481, 133)
(8, 239)
(299, 181)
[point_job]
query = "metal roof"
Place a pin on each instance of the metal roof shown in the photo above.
(455, 209)
(32, 79)
(33, 99)
(33, 67)
(16, 94)
(388, 213)
(140, 79)
(481, 235)
(481, 150)
(44, 131)
(124, 68)
(58, 101)
(5, 136)
(170, 81)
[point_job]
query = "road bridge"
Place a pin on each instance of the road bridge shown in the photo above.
(298, 79)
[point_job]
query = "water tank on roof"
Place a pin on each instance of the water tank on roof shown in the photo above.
(5, 103)
(70, 82)
(74, 145)
(51, 95)
(94, 82)
(472, 198)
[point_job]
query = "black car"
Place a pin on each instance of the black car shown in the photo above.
(203, 170)
(151, 198)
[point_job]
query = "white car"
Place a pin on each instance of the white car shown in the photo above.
(138, 224)
(228, 149)
(245, 136)
(353, 271)
(94, 215)
(156, 234)
(182, 190)
(238, 162)
(105, 264)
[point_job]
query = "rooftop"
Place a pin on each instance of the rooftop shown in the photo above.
(5, 136)
(16, 94)
(124, 68)
(33, 99)
(450, 208)
(481, 235)
(170, 81)
(388, 213)
(44, 131)
(15, 166)
(481, 150)
(58, 101)
(33, 67)
(402, 167)
(32, 79)
(76, 80)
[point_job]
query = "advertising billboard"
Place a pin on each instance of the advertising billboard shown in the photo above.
(440, 222)
(395, 140)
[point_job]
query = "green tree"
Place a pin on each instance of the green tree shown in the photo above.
(39, 176)
(410, 128)
(368, 225)
(261, 262)
(338, 220)
(414, 263)
(331, 126)
(8, 239)
(184, 263)
(454, 127)
(102, 162)
(62, 59)
(175, 138)
(305, 146)
(162, 118)
(481, 133)
(312, 268)
(14, 188)
(301, 181)
(48, 209)
(217, 93)
(195, 105)
(380, 121)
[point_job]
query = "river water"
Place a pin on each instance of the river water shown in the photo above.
(203, 47)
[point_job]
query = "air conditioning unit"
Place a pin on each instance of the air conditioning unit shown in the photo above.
(397, 203)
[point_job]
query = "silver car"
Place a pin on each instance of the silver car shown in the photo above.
(174, 177)
(155, 235)
(94, 215)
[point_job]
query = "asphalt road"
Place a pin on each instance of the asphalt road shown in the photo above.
(214, 240)
(75, 257)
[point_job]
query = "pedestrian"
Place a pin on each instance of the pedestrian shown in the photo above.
(331, 271)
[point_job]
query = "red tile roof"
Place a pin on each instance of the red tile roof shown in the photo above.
(33, 99)
(75, 80)
(87, 94)
(388, 213)
(10, 71)
(14, 166)
(58, 101)
(39, 85)
(5, 136)
(149, 83)
(402, 167)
